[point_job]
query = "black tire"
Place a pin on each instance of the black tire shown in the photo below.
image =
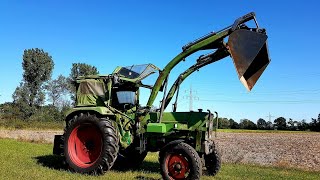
(213, 162)
(91, 144)
(180, 161)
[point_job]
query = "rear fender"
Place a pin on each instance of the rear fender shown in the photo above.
(103, 111)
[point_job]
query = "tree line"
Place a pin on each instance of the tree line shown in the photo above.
(39, 97)
(279, 123)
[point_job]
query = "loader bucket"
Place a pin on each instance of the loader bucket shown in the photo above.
(250, 56)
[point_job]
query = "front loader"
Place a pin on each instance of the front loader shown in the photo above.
(108, 127)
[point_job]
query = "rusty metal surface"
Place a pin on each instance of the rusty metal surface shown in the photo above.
(250, 56)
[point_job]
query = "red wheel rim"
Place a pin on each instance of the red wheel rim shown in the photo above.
(177, 166)
(85, 145)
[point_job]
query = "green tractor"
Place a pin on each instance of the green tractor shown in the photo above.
(109, 127)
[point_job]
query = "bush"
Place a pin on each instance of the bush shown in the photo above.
(9, 110)
(20, 124)
(47, 114)
(45, 117)
(233, 124)
(247, 124)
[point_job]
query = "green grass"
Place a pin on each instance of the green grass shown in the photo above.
(23, 160)
(260, 131)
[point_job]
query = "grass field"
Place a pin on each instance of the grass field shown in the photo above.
(23, 160)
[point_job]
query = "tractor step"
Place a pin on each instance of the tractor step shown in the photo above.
(58, 145)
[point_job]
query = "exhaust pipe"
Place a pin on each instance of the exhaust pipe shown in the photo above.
(249, 51)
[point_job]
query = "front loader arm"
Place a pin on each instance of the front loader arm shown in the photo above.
(213, 41)
(206, 43)
(220, 53)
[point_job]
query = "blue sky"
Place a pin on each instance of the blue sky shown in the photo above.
(106, 34)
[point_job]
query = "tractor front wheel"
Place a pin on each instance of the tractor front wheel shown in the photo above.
(90, 144)
(180, 161)
(212, 161)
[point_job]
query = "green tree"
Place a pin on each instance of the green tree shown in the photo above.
(79, 69)
(269, 125)
(281, 123)
(233, 124)
(56, 89)
(82, 69)
(37, 66)
(21, 101)
(9, 110)
(303, 125)
(292, 125)
(223, 123)
(261, 124)
(247, 124)
(315, 124)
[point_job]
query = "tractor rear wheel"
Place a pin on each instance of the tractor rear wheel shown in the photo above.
(212, 161)
(180, 161)
(91, 144)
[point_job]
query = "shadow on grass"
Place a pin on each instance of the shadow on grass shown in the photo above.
(51, 161)
(57, 163)
(145, 178)
(145, 168)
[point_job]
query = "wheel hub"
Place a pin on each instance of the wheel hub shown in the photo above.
(178, 166)
(89, 145)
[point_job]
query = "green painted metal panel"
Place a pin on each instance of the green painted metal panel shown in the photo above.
(180, 120)
(159, 127)
(181, 127)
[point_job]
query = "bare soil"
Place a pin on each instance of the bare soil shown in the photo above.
(296, 150)
(44, 136)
